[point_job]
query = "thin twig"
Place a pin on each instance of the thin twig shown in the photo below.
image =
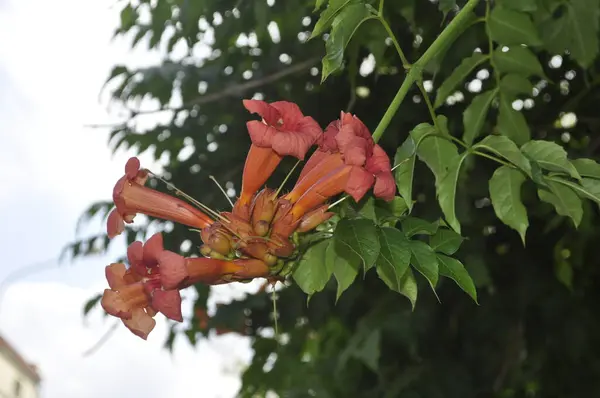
(107, 335)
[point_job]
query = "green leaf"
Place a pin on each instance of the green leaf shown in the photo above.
(437, 153)
(518, 60)
(425, 261)
(519, 5)
(91, 303)
(404, 161)
(505, 194)
(346, 264)
(360, 235)
(589, 188)
(446, 241)
(455, 270)
(397, 206)
(369, 350)
(446, 6)
(504, 147)
(457, 76)
(475, 115)
(415, 226)
(550, 156)
(514, 84)
(344, 25)
(564, 199)
(446, 192)
(512, 123)
(587, 167)
(394, 257)
(509, 27)
(313, 271)
(328, 15)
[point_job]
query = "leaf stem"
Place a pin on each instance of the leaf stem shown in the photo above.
(495, 159)
(414, 73)
(490, 43)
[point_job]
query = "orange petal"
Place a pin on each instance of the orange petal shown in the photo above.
(325, 166)
(314, 218)
(115, 275)
(140, 323)
(260, 164)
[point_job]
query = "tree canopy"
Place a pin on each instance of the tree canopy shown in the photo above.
(488, 110)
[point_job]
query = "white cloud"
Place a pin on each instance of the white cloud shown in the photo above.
(44, 322)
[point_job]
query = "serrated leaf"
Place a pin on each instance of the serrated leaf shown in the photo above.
(394, 257)
(505, 194)
(512, 27)
(475, 115)
(550, 156)
(404, 172)
(416, 226)
(425, 261)
(313, 272)
(519, 5)
(518, 60)
(504, 147)
(327, 16)
(344, 25)
(587, 167)
(446, 192)
(457, 76)
(512, 123)
(564, 199)
(514, 84)
(446, 241)
(345, 266)
(437, 153)
(360, 235)
(455, 270)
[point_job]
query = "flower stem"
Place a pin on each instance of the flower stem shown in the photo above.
(414, 73)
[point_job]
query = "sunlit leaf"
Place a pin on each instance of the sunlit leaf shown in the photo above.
(313, 271)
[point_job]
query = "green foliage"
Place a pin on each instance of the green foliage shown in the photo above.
(488, 157)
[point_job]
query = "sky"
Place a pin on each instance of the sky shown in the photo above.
(54, 58)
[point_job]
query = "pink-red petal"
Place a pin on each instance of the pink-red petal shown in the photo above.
(132, 167)
(169, 303)
(172, 269)
(114, 224)
(140, 323)
(260, 133)
(269, 113)
(359, 182)
(152, 250)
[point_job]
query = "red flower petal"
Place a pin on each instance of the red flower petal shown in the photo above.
(114, 305)
(152, 250)
(378, 161)
(356, 151)
(140, 324)
(328, 142)
(314, 160)
(359, 182)
(135, 255)
(265, 110)
(114, 224)
(114, 275)
(169, 303)
(289, 112)
(260, 133)
(172, 269)
(132, 167)
(385, 186)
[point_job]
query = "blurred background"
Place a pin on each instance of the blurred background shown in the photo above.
(177, 72)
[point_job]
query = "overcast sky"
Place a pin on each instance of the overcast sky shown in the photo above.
(54, 58)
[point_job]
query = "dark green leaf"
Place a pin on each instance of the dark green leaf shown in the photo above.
(369, 350)
(446, 6)
(475, 115)
(564, 199)
(344, 25)
(518, 60)
(550, 156)
(505, 194)
(455, 270)
(328, 15)
(318, 5)
(446, 192)
(509, 27)
(437, 153)
(512, 123)
(91, 303)
(346, 264)
(404, 161)
(445, 241)
(425, 261)
(519, 5)
(360, 236)
(504, 147)
(313, 271)
(457, 76)
(515, 84)
(589, 188)
(587, 167)
(394, 257)
(415, 226)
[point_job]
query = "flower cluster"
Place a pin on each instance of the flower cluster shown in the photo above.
(255, 239)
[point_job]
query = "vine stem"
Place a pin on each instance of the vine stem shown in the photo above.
(414, 72)
(491, 43)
